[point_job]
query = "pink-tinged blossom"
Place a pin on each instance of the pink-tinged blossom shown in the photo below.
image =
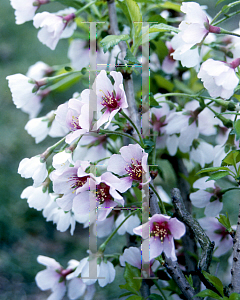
(25, 10)
(131, 162)
(128, 225)
(218, 234)
(72, 181)
(104, 269)
(201, 152)
(39, 128)
(209, 196)
(68, 115)
(55, 26)
(102, 228)
(37, 198)
(33, 168)
(106, 194)
(169, 64)
(193, 29)
(219, 78)
(110, 97)
(39, 70)
(163, 229)
(24, 93)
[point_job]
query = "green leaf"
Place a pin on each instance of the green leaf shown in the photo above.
(224, 220)
(219, 1)
(232, 158)
(155, 297)
(133, 297)
(208, 293)
(218, 175)
(189, 279)
(164, 83)
(212, 169)
(73, 3)
(236, 130)
(125, 294)
(126, 286)
(225, 9)
(136, 16)
(171, 5)
(112, 40)
(215, 281)
(148, 145)
(131, 58)
(129, 273)
(234, 296)
(162, 28)
(68, 69)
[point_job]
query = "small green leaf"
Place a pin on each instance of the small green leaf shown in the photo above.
(131, 58)
(189, 279)
(212, 169)
(224, 220)
(133, 297)
(112, 40)
(219, 1)
(215, 281)
(232, 158)
(155, 297)
(130, 273)
(164, 83)
(68, 69)
(171, 5)
(125, 294)
(162, 28)
(136, 17)
(236, 126)
(208, 293)
(126, 286)
(218, 175)
(148, 145)
(225, 9)
(234, 296)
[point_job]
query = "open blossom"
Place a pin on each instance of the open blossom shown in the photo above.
(131, 162)
(163, 229)
(219, 78)
(37, 198)
(25, 10)
(33, 167)
(104, 269)
(55, 26)
(128, 225)
(193, 29)
(39, 70)
(218, 234)
(209, 196)
(110, 98)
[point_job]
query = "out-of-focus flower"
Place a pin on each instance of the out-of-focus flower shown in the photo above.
(128, 225)
(25, 10)
(55, 26)
(163, 229)
(38, 70)
(169, 64)
(209, 196)
(219, 78)
(202, 152)
(218, 234)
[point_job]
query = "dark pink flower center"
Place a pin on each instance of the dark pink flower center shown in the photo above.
(110, 101)
(160, 230)
(78, 182)
(102, 192)
(74, 124)
(135, 170)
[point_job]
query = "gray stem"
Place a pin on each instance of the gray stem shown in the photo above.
(235, 283)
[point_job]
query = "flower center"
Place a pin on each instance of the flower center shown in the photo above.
(135, 170)
(77, 182)
(102, 192)
(74, 124)
(159, 230)
(110, 101)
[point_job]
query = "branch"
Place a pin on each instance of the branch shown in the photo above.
(235, 283)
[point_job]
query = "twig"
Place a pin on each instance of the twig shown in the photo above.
(235, 283)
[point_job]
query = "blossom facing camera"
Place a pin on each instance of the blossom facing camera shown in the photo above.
(219, 78)
(55, 26)
(163, 229)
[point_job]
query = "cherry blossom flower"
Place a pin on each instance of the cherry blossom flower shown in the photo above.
(163, 229)
(209, 196)
(218, 234)
(110, 98)
(24, 94)
(68, 115)
(128, 225)
(193, 30)
(39, 70)
(201, 152)
(102, 228)
(169, 64)
(131, 162)
(104, 269)
(219, 78)
(37, 198)
(25, 11)
(39, 128)
(33, 168)
(55, 26)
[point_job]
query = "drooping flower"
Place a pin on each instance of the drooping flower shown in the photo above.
(39, 70)
(169, 64)
(163, 229)
(55, 26)
(218, 234)
(131, 162)
(25, 10)
(104, 269)
(33, 167)
(209, 196)
(110, 97)
(219, 78)
(37, 198)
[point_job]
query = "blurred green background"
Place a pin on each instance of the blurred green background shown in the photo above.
(24, 233)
